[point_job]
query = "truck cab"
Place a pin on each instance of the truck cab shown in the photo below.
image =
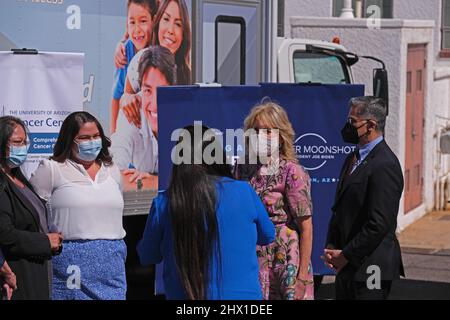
(312, 61)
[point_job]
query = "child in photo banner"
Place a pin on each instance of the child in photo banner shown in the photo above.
(137, 37)
(172, 30)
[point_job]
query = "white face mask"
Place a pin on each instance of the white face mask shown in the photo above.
(266, 147)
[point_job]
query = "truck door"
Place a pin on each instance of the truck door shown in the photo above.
(229, 38)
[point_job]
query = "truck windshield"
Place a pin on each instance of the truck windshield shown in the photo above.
(319, 68)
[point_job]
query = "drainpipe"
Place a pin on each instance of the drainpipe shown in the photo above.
(442, 180)
(347, 10)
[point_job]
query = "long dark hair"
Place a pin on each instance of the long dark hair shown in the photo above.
(183, 54)
(69, 130)
(193, 204)
(7, 126)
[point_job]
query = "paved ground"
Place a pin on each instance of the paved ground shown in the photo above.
(426, 257)
(430, 235)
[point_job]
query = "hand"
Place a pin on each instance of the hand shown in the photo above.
(131, 177)
(334, 259)
(150, 181)
(120, 55)
(327, 258)
(9, 291)
(131, 105)
(55, 240)
(8, 276)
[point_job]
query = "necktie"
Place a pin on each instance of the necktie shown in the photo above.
(352, 163)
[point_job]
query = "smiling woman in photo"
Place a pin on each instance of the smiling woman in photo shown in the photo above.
(172, 30)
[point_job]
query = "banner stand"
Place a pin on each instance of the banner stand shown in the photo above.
(24, 51)
(53, 82)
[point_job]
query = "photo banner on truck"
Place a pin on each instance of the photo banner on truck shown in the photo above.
(107, 31)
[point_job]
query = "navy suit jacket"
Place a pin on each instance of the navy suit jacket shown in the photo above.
(364, 219)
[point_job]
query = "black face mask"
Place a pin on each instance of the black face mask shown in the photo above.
(350, 133)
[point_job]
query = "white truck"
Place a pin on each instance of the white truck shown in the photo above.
(235, 42)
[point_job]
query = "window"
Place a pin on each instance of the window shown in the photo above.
(230, 50)
(446, 27)
(319, 68)
(280, 29)
(386, 7)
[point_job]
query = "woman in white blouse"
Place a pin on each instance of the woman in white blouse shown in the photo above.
(83, 189)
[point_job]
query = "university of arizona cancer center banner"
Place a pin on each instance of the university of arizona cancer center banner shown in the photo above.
(42, 90)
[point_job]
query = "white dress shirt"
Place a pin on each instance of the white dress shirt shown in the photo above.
(134, 147)
(80, 208)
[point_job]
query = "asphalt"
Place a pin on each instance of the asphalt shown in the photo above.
(426, 257)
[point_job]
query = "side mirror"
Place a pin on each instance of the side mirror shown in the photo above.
(381, 86)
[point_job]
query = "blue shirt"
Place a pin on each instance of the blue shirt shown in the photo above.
(120, 75)
(243, 222)
(365, 150)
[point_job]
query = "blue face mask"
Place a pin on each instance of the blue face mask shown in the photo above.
(17, 156)
(89, 150)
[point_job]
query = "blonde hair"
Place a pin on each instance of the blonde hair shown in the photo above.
(273, 115)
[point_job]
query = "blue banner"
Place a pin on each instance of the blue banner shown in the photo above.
(317, 112)
(42, 143)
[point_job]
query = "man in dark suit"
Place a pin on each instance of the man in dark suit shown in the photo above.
(362, 246)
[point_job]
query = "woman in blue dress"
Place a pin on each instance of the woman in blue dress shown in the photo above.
(205, 227)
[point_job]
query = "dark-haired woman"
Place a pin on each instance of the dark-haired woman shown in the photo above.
(205, 229)
(25, 242)
(83, 188)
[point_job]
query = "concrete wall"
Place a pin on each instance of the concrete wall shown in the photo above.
(440, 88)
(402, 9)
(420, 36)
(422, 10)
(441, 103)
(306, 8)
(390, 44)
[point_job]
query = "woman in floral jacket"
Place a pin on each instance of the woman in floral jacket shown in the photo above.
(284, 187)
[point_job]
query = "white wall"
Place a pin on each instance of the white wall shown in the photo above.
(392, 47)
(420, 36)
(440, 88)
(441, 103)
(306, 8)
(402, 9)
(423, 10)
(390, 44)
